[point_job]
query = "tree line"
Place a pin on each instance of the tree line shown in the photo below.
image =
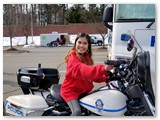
(28, 15)
(46, 14)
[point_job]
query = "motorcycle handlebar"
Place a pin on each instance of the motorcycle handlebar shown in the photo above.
(113, 78)
(115, 63)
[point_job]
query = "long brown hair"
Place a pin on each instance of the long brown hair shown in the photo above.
(89, 51)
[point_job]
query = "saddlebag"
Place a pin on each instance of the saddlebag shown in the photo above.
(25, 105)
(37, 78)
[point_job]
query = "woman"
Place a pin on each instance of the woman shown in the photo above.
(81, 73)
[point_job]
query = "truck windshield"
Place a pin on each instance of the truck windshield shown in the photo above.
(134, 12)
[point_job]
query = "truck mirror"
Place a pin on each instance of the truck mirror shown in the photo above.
(108, 16)
(130, 45)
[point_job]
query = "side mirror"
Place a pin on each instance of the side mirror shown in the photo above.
(130, 45)
(108, 17)
(108, 14)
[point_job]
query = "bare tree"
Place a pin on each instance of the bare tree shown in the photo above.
(101, 29)
(63, 12)
(40, 14)
(10, 17)
(94, 18)
(26, 22)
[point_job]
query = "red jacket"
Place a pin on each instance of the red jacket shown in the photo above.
(79, 78)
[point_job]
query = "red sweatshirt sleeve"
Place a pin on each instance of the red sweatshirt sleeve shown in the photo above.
(78, 70)
(102, 79)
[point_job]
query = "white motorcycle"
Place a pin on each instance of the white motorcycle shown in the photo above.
(129, 92)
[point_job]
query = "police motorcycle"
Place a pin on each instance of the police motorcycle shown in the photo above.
(129, 92)
(134, 80)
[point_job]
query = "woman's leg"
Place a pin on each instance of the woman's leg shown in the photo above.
(75, 107)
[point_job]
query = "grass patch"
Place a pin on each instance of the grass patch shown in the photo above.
(14, 50)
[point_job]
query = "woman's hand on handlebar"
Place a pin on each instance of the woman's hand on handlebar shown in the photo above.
(108, 68)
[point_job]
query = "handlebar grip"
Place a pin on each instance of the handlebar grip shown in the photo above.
(115, 63)
(110, 62)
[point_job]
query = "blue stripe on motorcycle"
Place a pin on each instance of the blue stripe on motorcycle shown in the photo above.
(5, 103)
(106, 110)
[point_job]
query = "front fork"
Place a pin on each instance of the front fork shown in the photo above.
(136, 92)
(152, 108)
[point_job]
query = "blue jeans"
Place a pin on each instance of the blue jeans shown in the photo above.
(75, 107)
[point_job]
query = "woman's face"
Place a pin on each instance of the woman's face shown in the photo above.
(82, 45)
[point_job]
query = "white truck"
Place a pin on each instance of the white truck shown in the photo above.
(53, 38)
(46, 39)
(139, 20)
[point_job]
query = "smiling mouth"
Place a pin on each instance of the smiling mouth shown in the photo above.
(81, 50)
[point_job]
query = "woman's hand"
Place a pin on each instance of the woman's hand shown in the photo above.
(108, 68)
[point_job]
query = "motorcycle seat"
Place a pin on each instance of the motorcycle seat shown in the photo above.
(55, 92)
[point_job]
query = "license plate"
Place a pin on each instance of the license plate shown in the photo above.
(14, 110)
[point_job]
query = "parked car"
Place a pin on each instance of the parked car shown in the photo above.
(96, 40)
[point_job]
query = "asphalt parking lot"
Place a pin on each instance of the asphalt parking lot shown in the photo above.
(48, 57)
